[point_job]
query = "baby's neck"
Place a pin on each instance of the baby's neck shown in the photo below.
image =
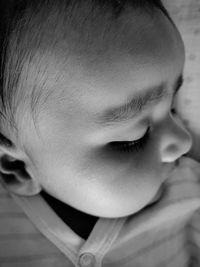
(80, 222)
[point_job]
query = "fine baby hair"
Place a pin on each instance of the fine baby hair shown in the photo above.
(33, 33)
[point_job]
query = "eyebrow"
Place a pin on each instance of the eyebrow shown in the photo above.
(137, 104)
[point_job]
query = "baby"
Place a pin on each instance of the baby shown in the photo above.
(91, 145)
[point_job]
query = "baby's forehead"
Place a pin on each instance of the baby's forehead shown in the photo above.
(86, 33)
(65, 69)
(56, 46)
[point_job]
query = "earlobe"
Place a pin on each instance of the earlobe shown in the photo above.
(18, 186)
(15, 178)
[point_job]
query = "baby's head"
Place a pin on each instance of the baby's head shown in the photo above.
(87, 93)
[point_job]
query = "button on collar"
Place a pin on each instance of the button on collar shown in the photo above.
(87, 260)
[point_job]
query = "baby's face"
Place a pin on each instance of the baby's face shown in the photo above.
(70, 155)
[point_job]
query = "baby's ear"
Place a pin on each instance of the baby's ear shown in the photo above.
(14, 175)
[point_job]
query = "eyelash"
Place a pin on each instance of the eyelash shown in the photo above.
(132, 146)
(137, 145)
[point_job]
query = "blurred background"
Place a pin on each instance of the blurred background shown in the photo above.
(186, 15)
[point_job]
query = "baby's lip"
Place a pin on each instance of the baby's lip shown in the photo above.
(168, 173)
(162, 187)
(159, 193)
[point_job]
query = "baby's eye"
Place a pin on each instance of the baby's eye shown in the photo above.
(131, 146)
(135, 145)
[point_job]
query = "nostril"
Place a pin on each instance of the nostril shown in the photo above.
(173, 153)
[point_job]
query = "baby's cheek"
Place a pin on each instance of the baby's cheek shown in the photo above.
(106, 155)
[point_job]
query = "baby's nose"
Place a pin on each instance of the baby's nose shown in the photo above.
(176, 142)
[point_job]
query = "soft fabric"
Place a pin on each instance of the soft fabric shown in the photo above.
(166, 233)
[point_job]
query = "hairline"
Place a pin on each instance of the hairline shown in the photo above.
(40, 96)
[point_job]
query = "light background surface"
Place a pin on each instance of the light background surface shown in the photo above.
(186, 15)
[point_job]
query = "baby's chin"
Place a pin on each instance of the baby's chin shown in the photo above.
(123, 211)
(156, 197)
